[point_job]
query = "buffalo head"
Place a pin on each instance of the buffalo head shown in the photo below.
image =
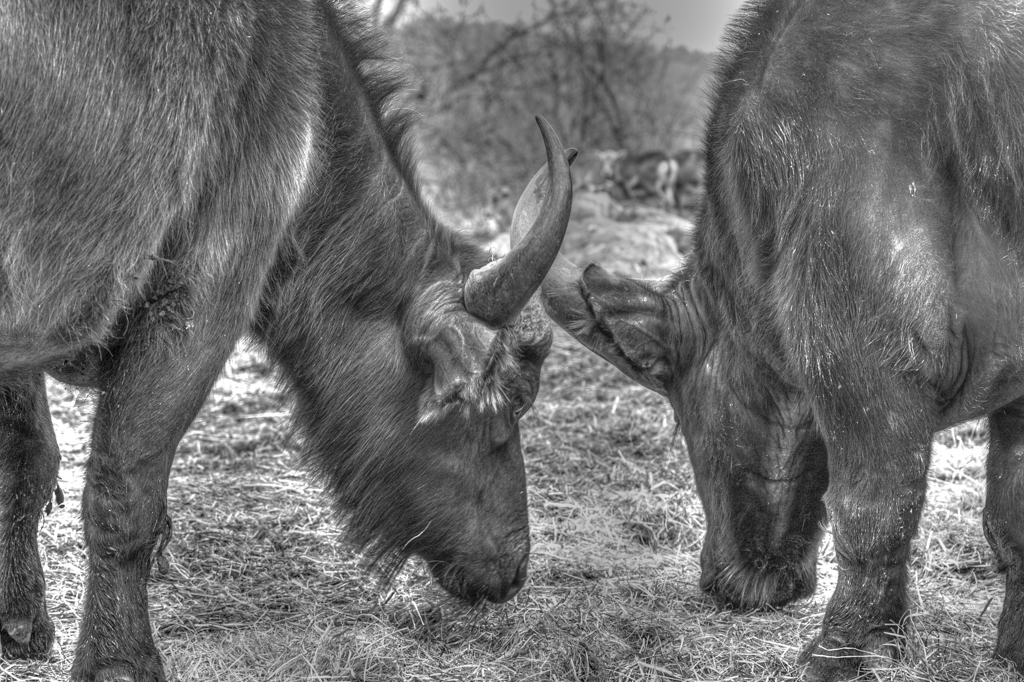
(759, 464)
(412, 419)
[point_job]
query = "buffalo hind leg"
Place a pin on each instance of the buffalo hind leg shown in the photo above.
(1004, 523)
(29, 461)
(874, 501)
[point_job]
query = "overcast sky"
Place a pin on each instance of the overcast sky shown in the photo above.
(697, 24)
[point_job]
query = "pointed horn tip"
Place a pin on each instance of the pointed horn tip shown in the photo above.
(493, 293)
(570, 154)
(546, 129)
(551, 142)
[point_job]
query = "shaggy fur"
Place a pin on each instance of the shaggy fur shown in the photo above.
(855, 286)
(176, 175)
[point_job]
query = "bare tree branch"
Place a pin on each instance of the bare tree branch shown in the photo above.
(587, 65)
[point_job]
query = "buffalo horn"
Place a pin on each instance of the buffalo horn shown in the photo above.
(498, 292)
(561, 287)
(563, 297)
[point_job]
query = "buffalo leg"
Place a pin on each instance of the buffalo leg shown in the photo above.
(28, 476)
(155, 389)
(874, 501)
(1004, 523)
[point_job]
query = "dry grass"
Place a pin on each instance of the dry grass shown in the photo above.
(260, 586)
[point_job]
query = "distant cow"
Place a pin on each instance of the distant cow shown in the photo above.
(856, 284)
(176, 175)
(649, 174)
(594, 171)
(689, 181)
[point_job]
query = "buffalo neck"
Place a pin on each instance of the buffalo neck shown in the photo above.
(359, 252)
(361, 243)
(332, 321)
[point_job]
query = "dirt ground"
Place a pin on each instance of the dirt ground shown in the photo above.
(260, 585)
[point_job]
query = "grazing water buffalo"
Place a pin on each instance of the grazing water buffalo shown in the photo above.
(689, 181)
(857, 283)
(593, 171)
(648, 174)
(175, 175)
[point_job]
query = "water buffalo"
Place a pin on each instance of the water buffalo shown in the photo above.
(643, 175)
(176, 175)
(689, 181)
(856, 284)
(593, 171)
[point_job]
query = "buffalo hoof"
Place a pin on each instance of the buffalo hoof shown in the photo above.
(26, 638)
(829, 661)
(1010, 637)
(120, 673)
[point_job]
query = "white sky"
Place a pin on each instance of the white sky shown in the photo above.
(697, 24)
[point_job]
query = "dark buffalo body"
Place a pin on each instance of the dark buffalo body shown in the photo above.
(857, 283)
(176, 175)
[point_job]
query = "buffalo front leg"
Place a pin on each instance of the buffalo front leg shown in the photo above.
(874, 502)
(28, 476)
(1004, 523)
(155, 391)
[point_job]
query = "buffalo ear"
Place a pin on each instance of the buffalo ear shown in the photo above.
(637, 320)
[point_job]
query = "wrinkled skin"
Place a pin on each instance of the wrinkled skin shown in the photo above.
(855, 286)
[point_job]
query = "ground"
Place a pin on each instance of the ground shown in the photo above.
(259, 585)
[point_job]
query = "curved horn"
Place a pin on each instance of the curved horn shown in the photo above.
(498, 292)
(564, 294)
(561, 287)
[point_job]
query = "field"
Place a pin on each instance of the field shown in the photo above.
(258, 583)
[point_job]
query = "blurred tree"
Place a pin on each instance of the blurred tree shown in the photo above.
(590, 66)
